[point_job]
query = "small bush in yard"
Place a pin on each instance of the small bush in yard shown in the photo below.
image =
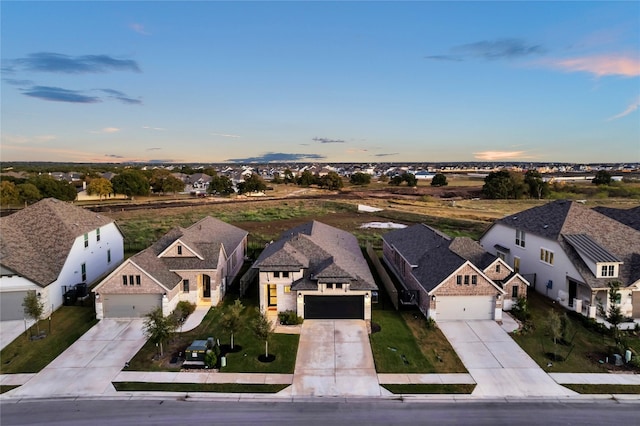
(184, 309)
(289, 318)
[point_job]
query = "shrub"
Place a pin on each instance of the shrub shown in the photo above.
(430, 323)
(184, 309)
(521, 310)
(289, 318)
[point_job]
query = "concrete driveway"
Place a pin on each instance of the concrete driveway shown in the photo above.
(10, 330)
(335, 359)
(88, 366)
(497, 364)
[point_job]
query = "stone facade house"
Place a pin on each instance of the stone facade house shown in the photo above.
(450, 279)
(317, 271)
(51, 246)
(195, 264)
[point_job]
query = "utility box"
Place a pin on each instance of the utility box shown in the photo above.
(196, 351)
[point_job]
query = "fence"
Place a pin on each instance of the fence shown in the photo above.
(384, 277)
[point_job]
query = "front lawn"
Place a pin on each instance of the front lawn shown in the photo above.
(243, 360)
(405, 344)
(585, 351)
(67, 324)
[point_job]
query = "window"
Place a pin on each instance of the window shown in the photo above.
(498, 268)
(329, 285)
(459, 279)
(608, 271)
(338, 285)
(185, 286)
(520, 238)
(287, 289)
(98, 234)
(137, 279)
(179, 250)
(546, 256)
(474, 279)
(131, 279)
(514, 292)
(466, 280)
(124, 280)
(83, 268)
(86, 240)
(618, 299)
(516, 264)
(108, 255)
(502, 256)
(276, 275)
(285, 274)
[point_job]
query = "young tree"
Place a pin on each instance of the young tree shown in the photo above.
(614, 313)
(33, 307)
(360, 178)
(263, 328)
(554, 327)
(158, 328)
(99, 186)
(232, 319)
(602, 177)
(439, 180)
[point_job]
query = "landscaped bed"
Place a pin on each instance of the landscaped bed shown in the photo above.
(430, 389)
(586, 349)
(605, 389)
(67, 324)
(242, 359)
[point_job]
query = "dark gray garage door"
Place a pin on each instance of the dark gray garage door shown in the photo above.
(11, 305)
(334, 307)
(130, 305)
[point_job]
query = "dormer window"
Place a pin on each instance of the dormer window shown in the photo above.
(608, 271)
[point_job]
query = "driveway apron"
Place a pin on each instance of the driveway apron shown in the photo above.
(497, 364)
(335, 359)
(89, 365)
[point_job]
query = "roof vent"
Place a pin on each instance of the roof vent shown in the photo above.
(545, 226)
(515, 218)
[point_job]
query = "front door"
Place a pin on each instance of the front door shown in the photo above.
(273, 296)
(573, 292)
(206, 286)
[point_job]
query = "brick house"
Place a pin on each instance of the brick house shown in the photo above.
(450, 279)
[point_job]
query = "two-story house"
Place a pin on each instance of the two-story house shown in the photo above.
(195, 264)
(571, 253)
(51, 246)
(317, 271)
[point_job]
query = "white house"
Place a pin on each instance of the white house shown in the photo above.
(195, 264)
(317, 271)
(571, 253)
(52, 245)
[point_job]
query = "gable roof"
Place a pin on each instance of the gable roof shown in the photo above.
(323, 252)
(571, 224)
(206, 237)
(434, 255)
(35, 241)
(630, 217)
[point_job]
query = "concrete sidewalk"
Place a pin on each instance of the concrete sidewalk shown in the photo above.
(203, 377)
(596, 378)
(195, 318)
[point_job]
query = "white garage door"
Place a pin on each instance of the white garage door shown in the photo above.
(11, 305)
(129, 305)
(465, 307)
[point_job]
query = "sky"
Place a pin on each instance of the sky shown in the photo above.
(213, 82)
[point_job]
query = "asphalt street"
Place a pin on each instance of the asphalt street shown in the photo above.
(354, 412)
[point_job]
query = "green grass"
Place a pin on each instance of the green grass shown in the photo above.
(582, 356)
(198, 387)
(68, 323)
(430, 389)
(405, 333)
(7, 388)
(604, 389)
(283, 346)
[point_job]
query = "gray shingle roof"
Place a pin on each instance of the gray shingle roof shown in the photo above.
(323, 251)
(630, 217)
(206, 237)
(571, 218)
(434, 255)
(35, 241)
